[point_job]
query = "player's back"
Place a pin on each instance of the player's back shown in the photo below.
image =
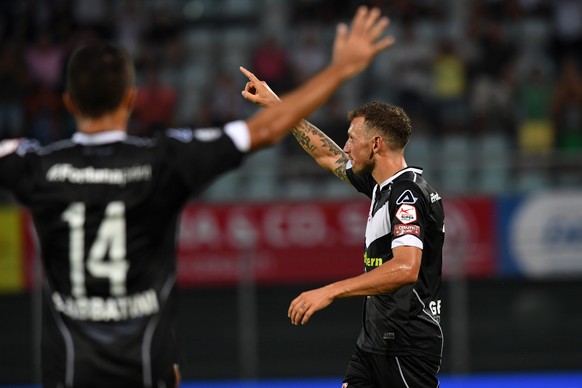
(105, 214)
(105, 209)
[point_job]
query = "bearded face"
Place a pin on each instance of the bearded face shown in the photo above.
(360, 147)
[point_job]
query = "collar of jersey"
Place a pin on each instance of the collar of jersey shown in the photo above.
(416, 170)
(99, 138)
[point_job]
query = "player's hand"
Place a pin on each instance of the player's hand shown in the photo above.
(305, 305)
(257, 91)
(355, 47)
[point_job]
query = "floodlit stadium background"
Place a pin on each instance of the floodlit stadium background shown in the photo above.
(494, 89)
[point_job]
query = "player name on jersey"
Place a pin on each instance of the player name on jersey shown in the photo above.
(107, 309)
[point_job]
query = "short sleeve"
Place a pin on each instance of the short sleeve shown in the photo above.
(409, 215)
(200, 155)
(15, 157)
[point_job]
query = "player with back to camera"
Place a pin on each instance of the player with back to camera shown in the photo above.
(105, 207)
(401, 341)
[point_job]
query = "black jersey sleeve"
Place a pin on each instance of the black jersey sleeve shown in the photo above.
(410, 212)
(200, 155)
(15, 168)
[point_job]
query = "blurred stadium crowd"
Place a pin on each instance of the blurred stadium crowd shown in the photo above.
(494, 87)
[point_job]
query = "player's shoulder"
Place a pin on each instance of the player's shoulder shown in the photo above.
(410, 187)
(408, 180)
(21, 147)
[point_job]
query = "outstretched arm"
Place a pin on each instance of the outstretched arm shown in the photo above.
(401, 270)
(353, 51)
(316, 143)
(322, 148)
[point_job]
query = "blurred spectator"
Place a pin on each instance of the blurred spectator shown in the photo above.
(45, 61)
(308, 57)
(492, 104)
(497, 51)
(154, 106)
(411, 75)
(226, 101)
(36, 16)
(449, 89)
(566, 106)
(164, 28)
(536, 131)
(534, 8)
(567, 29)
(13, 79)
(44, 112)
(174, 73)
(270, 62)
(129, 26)
(499, 10)
(93, 15)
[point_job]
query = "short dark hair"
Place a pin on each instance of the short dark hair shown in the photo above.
(390, 120)
(98, 76)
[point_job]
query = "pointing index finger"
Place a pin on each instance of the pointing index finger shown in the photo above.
(249, 75)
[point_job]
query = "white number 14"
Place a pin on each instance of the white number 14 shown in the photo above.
(110, 241)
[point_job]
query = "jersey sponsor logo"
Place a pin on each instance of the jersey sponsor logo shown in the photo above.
(372, 261)
(406, 197)
(402, 229)
(64, 172)
(406, 214)
(8, 147)
(434, 197)
(101, 309)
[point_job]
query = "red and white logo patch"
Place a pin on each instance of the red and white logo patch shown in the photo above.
(401, 230)
(406, 214)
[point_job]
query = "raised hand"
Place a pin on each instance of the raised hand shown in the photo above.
(354, 48)
(257, 91)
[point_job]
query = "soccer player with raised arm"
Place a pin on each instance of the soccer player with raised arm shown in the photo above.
(401, 341)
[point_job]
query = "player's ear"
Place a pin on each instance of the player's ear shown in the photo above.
(377, 143)
(70, 104)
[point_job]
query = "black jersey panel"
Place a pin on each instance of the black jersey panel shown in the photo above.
(198, 156)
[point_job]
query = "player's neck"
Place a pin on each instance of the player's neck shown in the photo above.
(387, 166)
(108, 122)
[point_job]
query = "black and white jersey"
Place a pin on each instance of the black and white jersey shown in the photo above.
(405, 211)
(105, 209)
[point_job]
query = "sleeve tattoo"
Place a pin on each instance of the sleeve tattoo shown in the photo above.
(306, 133)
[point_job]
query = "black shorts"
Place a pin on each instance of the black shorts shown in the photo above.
(369, 370)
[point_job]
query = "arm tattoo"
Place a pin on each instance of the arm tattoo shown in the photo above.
(340, 171)
(306, 133)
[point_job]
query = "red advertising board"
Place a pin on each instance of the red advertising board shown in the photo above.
(280, 242)
(291, 242)
(471, 246)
